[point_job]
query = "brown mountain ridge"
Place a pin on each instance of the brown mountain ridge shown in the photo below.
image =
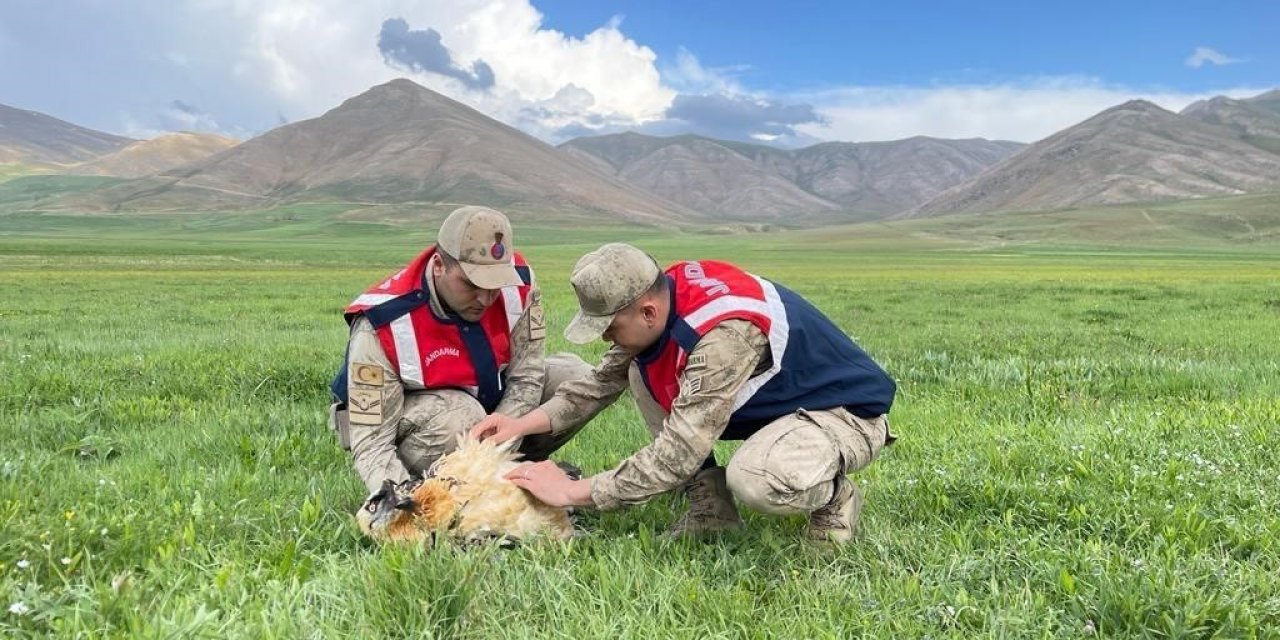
(395, 143)
(157, 155)
(35, 138)
(832, 180)
(1133, 152)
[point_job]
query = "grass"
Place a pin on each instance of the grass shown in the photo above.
(1087, 443)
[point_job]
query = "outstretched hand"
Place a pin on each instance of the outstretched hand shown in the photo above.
(496, 428)
(549, 483)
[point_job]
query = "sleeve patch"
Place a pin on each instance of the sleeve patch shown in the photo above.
(537, 323)
(696, 361)
(692, 385)
(366, 373)
(364, 406)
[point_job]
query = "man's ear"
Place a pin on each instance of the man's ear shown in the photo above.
(649, 311)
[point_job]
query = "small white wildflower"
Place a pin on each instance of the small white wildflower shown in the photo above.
(66, 561)
(19, 608)
(47, 546)
(24, 563)
(102, 531)
(102, 482)
(1138, 562)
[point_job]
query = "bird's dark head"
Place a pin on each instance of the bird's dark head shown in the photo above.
(386, 508)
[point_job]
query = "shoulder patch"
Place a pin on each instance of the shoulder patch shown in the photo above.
(696, 361)
(366, 373)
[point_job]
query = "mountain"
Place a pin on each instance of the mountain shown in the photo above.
(897, 175)
(1255, 120)
(756, 182)
(160, 154)
(35, 138)
(393, 144)
(702, 174)
(1133, 152)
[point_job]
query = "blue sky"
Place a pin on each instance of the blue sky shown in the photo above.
(802, 45)
(783, 73)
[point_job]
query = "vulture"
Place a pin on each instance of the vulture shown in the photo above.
(463, 497)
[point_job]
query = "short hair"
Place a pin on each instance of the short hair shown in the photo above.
(449, 261)
(659, 286)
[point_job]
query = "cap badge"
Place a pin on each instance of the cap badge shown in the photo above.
(497, 250)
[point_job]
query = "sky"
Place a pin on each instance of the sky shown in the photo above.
(788, 74)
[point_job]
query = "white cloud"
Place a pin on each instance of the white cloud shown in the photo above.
(1024, 111)
(312, 54)
(688, 75)
(1206, 55)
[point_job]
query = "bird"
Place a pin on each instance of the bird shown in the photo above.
(464, 497)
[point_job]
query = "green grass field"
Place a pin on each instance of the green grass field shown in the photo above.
(1088, 429)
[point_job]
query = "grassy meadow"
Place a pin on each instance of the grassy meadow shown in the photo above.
(1087, 424)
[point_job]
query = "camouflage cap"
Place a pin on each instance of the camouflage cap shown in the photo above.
(606, 281)
(479, 238)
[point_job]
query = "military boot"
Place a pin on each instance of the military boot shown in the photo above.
(711, 507)
(837, 520)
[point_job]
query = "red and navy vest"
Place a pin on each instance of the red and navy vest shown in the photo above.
(430, 352)
(814, 365)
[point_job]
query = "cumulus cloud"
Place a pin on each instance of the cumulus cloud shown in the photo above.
(1205, 55)
(178, 115)
(188, 117)
(311, 55)
(1023, 111)
(688, 75)
(423, 51)
(735, 117)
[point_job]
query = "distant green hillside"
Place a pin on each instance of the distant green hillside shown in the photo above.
(11, 170)
(1236, 224)
(1239, 222)
(29, 191)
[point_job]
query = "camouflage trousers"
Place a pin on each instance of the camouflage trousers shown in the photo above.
(790, 466)
(432, 420)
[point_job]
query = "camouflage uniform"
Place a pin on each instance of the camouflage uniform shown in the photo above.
(409, 430)
(796, 463)
(787, 467)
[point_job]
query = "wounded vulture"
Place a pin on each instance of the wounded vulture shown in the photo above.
(464, 497)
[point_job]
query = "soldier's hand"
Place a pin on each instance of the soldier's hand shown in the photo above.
(496, 427)
(549, 483)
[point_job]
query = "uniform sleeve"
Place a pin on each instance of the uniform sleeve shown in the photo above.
(577, 401)
(718, 367)
(374, 407)
(525, 373)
